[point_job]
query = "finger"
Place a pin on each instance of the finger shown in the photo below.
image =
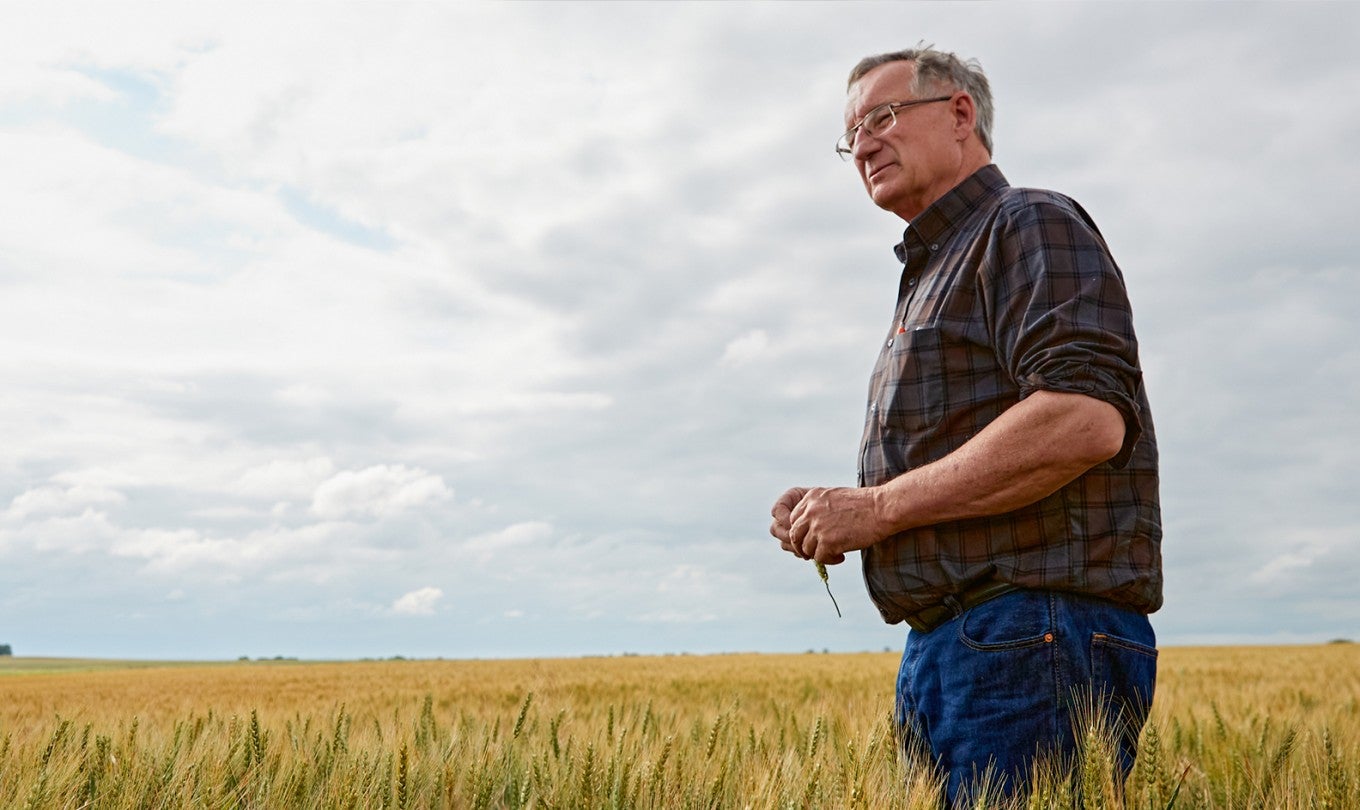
(800, 530)
(779, 527)
(810, 500)
(787, 501)
(798, 535)
(794, 498)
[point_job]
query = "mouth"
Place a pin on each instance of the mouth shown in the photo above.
(877, 170)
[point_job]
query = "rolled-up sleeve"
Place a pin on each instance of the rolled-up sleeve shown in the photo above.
(1061, 314)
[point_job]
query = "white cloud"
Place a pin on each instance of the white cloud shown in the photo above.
(61, 500)
(675, 617)
(70, 534)
(745, 349)
(420, 602)
(485, 548)
(285, 478)
(274, 552)
(378, 491)
(1282, 567)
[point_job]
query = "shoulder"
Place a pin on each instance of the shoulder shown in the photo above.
(1036, 213)
(1027, 203)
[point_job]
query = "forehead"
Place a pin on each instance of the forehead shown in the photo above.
(888, 82)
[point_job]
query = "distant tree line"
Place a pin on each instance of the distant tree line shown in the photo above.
(5, 650)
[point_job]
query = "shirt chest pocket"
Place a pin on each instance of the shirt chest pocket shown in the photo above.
(911, 392)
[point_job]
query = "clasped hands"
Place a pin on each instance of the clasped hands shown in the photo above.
(823, 524)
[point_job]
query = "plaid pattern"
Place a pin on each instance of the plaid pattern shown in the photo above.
(1004, 292)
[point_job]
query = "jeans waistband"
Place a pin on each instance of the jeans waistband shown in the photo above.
(932, 617)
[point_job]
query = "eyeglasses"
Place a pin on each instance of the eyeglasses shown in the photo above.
(876, 122)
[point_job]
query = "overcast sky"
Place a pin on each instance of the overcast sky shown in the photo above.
(493, 330)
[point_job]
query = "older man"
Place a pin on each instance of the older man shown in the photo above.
(1008, 501)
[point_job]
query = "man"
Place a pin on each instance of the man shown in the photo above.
(1008, 501)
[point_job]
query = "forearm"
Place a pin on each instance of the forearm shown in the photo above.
(1031, 451)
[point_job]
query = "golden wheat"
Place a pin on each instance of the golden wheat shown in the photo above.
(1232, 727)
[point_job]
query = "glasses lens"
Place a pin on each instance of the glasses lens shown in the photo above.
(880, 120)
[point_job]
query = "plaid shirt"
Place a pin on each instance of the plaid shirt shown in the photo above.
(1007, 291)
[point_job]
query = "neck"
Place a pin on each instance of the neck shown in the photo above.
(971, 158)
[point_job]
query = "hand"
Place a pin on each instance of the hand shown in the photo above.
(827, 523)
(780, 526)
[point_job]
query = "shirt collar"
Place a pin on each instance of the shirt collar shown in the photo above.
(948, 212)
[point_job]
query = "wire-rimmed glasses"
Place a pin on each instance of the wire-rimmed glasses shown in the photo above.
(876, 122)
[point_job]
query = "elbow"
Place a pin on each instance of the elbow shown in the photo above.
(1102, 434)
(1110, 443)
(1086, 431)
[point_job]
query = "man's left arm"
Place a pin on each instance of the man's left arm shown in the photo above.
(1032, 450)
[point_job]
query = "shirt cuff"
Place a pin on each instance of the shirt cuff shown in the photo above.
(1103, 390)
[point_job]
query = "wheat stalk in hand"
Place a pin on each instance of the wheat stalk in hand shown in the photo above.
(826, 580)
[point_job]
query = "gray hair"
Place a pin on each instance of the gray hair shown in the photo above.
(938, 70)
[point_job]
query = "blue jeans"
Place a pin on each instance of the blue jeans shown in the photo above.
(1007, 680)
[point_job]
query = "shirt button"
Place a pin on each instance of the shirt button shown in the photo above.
(873, 407)
(935, 246)
(890, 343)
(911, 282)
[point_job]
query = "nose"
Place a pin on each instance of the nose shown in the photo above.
(865, 145)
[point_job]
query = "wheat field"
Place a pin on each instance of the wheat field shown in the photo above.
(1257, 727)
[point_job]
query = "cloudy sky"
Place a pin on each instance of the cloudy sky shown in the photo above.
(463, 330)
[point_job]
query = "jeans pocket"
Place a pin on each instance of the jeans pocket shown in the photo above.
(1124, 671)
(1010, 622)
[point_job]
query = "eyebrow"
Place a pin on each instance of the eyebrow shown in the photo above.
(850, 122)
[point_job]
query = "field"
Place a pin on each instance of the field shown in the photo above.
(1231, 728)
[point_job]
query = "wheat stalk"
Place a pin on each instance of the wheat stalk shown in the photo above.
(826, 580)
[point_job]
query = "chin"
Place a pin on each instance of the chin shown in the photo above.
(883, 198)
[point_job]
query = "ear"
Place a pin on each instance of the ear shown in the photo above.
(965, 115)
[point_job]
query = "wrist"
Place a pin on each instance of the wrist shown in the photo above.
(888, 519)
